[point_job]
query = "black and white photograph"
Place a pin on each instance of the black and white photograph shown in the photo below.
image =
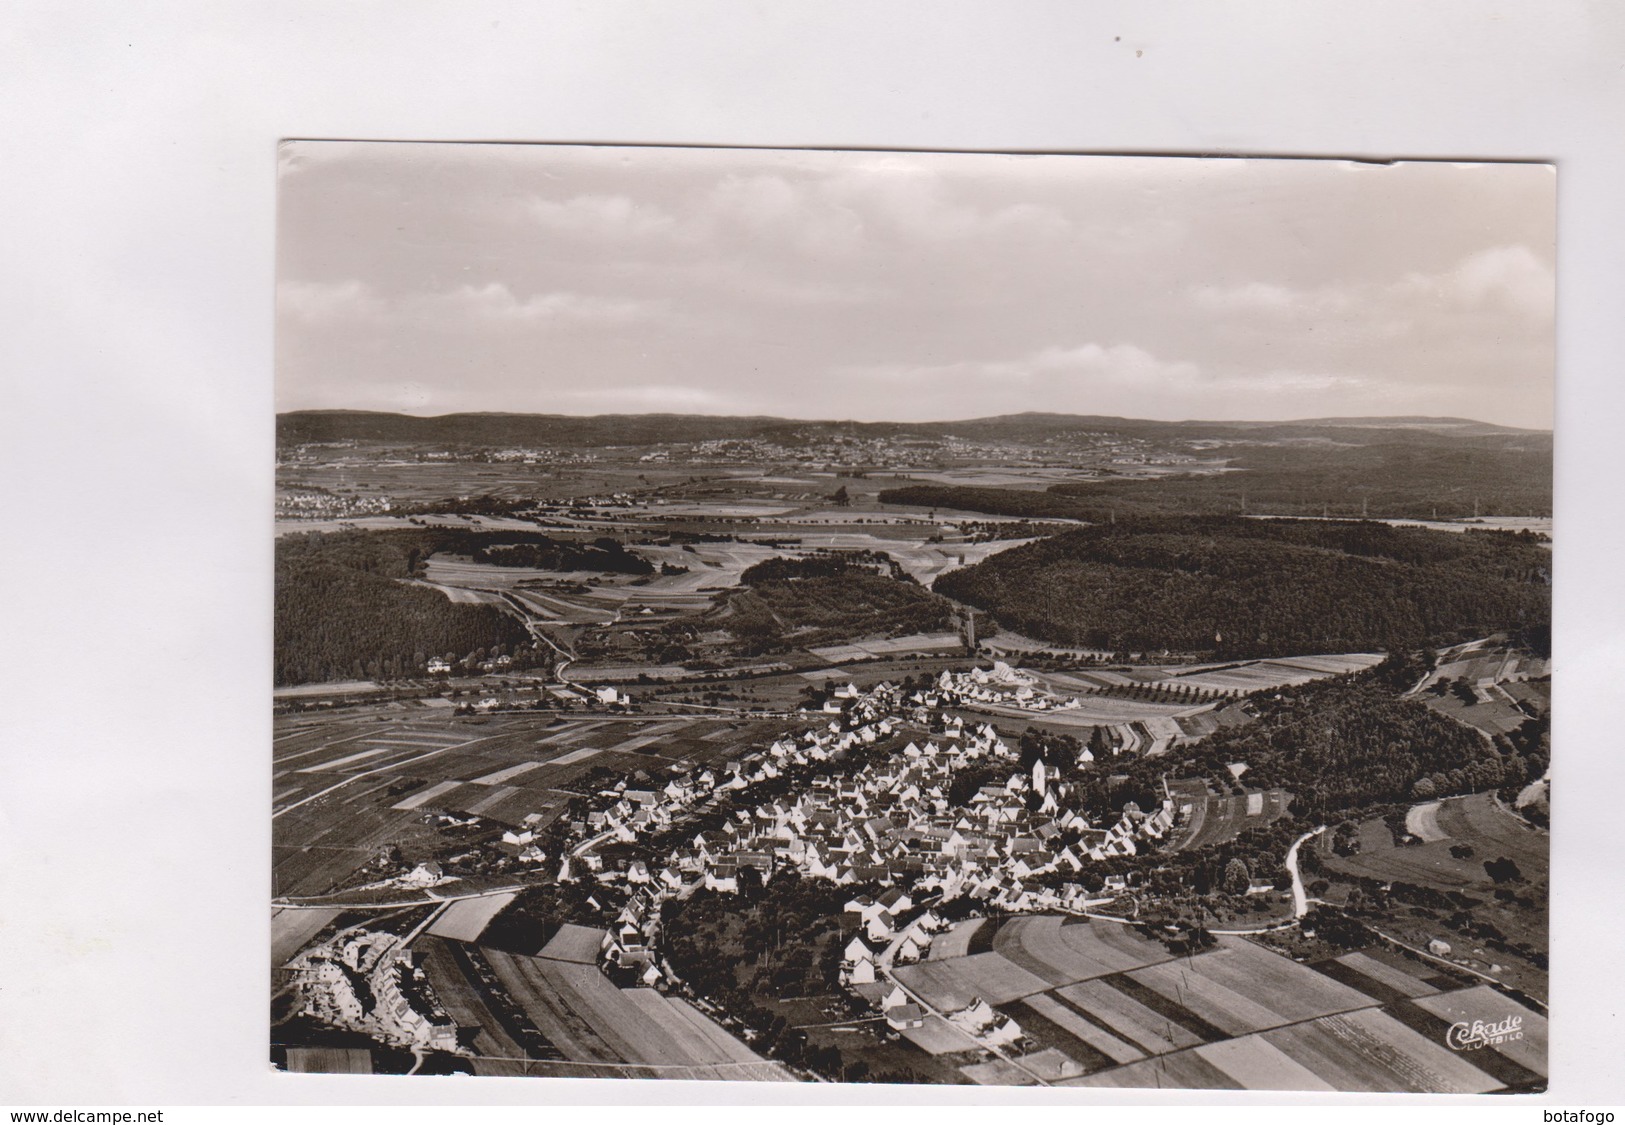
(792, 615)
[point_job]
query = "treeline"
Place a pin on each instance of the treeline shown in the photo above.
(606, 555)
(1242, 588)
(487, 504)
(341, 611)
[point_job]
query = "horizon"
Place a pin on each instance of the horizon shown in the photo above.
(435, 278)
(832, 420)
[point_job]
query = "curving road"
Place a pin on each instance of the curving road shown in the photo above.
(1300, 901)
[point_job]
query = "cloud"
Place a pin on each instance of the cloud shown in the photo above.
(1506, 279)
(466, 306)
(1122, 363)
(1499, 281)
(644, 397)
(494, 302)
(601, 217)
(1094, 378)
(319, 301)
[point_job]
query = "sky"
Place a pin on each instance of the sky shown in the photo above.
(873, 286)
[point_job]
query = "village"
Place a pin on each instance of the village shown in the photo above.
(891, 823)
(1013, 846)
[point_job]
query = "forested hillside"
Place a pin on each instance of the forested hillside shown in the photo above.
(341, 611)
(1243, 588)
(828, 599)
(1347, 743)
(1337, 744)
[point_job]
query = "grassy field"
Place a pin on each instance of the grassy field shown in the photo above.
(1517, 909)
(1207, 818)
(1477, 821)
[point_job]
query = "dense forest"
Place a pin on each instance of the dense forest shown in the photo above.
(827, 599)
(342, 611)
(1021, 502)
(824, 564)
(1248, 588)
(605, 555)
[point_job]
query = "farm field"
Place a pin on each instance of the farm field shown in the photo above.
(349, 784)
(292, 929)
(890, 646)
(1496, 714)
(329, 1060)
(580, 944)
(1508, 687)
(1062, 950)
(588, 1020)
(1237, 678)
(1366, 1050)
(1517, 909)
(1023, 956)
(1238, 1016)
(466, 919)
(564, 1018)
(1484, 662)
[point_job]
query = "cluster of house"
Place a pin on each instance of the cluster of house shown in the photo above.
(370, 982)
(890, 823)
(315, 504)
(1000, 686)
(882, 939)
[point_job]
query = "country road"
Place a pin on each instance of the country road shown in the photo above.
(1300, 901)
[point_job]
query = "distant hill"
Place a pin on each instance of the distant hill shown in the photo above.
(1394, 474)
(501, 430)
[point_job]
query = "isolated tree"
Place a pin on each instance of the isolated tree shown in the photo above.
(1097, 742)
(1236, 877)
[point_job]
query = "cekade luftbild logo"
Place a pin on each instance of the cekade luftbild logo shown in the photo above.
(1466, 1036)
